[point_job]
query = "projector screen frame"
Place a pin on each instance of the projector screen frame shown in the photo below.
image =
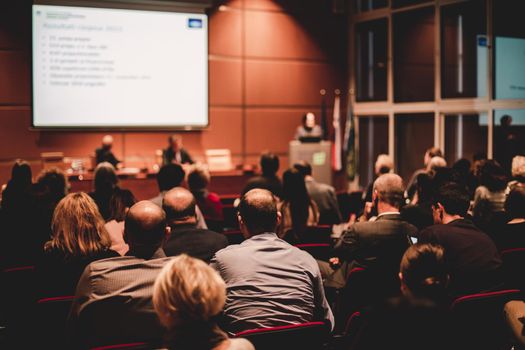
(140, 5)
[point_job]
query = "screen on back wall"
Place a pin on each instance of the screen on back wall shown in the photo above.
(100, 67)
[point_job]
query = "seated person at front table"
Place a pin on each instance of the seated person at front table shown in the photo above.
(268, 180)
(104, 153)
(308, 129)
(175, 153)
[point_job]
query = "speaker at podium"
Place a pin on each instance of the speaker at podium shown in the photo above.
(318, 154)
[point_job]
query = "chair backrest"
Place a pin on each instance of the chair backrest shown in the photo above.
(317, 234)
(320, 251)
(478, 319)
(51, 314)
(514, 267)
(229, 213)
(305, 336)
(127, 346)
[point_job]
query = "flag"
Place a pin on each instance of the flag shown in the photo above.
(349, 143)
(324, 123)
(337, 146)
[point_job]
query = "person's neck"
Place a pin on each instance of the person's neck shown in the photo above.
(383, 208)
(183, 222)
(309, 178)
(517, 221)
(142, 252)
(449, 218)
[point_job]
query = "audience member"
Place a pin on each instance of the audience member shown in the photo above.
(78, 238)
(424, 273)
(170, 176)
(268, 180)
(515, 317)
(16, 194)
(119, 204)
(185, 236)
(105, 154)
(208, 202)
(297, 208)
(462, 175)
(473, 259)
(436, 163)
(489, 197)
(187, 296)
(105, 182)
(322, 194)
(175, 152)
(429, 154)
(383, 165)
(512, 234)
(113, 300)
(518, 173)
(419, 212)
(269, 282)
(375, 245)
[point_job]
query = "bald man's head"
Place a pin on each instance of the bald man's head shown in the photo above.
(258, 211)
(390, 189)
(145, 227)
(179, 205)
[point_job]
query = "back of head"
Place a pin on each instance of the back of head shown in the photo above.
(434, 152)
(384, 164)
(294, 187)
(269, 164)
(54, 181)
(188, 292)
(77, 227)
(145, 228)
(105, 178)
(390, 189)
(518, 168)
(258, 211)
(179, 205)
(454, 198)
(198, 179)
(492, 175)
(21, 174)
(515, 203)
(424, 271)
(121, 200)
(170, 176)
(436, 163)
(303, 167)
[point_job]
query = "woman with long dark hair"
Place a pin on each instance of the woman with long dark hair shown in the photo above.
(298, 209)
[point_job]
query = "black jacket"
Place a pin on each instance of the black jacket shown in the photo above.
(472, 256)
(196, 242)
(168, 156)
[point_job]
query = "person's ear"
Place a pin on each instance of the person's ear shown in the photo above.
(374, 196)
(167, 232)
(400, 275)
(279, 219)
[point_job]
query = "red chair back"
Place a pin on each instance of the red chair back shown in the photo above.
(305, 336)
(479, 321)
(51, 314)
(514, 267)
(229, 213)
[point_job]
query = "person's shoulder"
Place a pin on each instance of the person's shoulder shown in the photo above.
(240, 344)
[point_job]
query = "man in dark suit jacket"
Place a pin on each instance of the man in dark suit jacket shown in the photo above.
(268, 180)
(104, 153)
(175, 153)
(473, 258)
(113, 297)
(185, 237)
(376, 243)
(322, 194)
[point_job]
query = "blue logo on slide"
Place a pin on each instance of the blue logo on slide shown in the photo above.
(194, 23)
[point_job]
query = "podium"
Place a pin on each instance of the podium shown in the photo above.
(318, 154)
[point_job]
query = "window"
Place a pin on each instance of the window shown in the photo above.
(464, 53)
(509, 135)
(414, 55)
(466, 135)
(373, 141)
(371, 60)
(509, 50)
(368, 5)
(414, 135)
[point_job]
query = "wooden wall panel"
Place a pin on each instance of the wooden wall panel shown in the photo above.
(225, 33)
(225, 82)
(15, 78)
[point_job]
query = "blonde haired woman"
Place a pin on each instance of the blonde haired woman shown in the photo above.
(187, 296)
(78, 238)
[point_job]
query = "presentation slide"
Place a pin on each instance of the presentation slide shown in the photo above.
(99, 67)
(510, 68)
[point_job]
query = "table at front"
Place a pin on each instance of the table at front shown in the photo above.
(144, 185)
